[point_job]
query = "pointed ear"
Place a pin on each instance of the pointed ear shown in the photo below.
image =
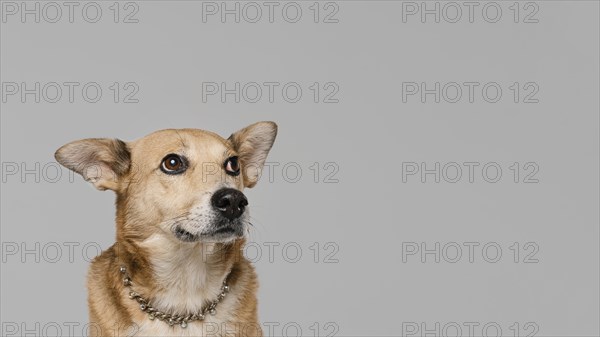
(100, 161)
(252, 144)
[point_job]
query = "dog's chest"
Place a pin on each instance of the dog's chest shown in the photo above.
(186, 297)
(213, 326)
(186, 287)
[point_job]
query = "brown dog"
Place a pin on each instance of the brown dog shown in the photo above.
(176, 268)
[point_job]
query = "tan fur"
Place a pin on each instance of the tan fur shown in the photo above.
(178, 277)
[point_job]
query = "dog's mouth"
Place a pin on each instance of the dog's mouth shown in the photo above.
(184, 235)
(224, 232)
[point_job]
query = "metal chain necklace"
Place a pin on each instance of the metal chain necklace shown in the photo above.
(171, 319)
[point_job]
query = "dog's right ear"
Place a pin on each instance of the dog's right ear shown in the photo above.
(253, 143)
(100, 161)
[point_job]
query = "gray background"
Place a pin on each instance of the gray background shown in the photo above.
(369, 133)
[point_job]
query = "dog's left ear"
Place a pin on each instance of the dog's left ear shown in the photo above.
(101, 161)
(252, 144)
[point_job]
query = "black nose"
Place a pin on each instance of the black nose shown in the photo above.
(230, 202)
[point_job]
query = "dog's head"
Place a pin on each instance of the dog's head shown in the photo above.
(186, 183)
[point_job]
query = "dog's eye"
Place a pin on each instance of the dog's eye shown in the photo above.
(173, 164)
(232, 166)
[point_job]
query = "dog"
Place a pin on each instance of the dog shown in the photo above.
(182, 219)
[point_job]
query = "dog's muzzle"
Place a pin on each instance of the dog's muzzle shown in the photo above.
(227, 218)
